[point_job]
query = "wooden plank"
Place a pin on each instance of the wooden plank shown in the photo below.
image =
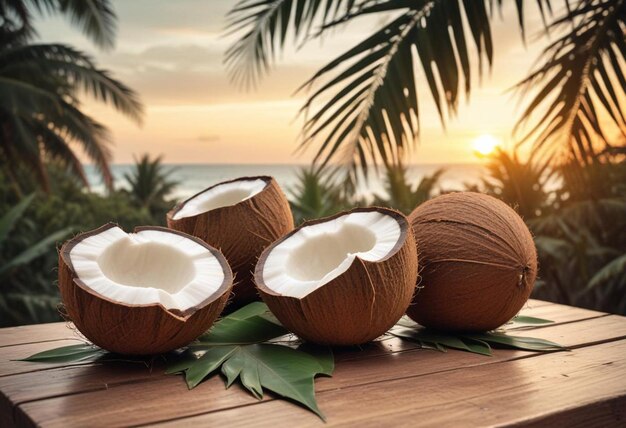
(135, 403)
(8, 355)
(559, 314)
(64, 330)
(389, 345)
(515, 392)
(58, 331)
(37, 333)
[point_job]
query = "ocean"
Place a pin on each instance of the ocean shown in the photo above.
(192, 178)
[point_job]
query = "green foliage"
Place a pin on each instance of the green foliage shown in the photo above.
(150, 185)
(40, 85)
(237, 346)
(577, 213)
(370, 110)
(12, 257)
(95, 18)
(68, 354)
(582, 80)
(521, 184)
(477, 343)
(401, 194)
(28, 260)
(318, 193)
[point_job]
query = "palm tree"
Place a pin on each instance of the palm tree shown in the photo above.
(40, 87)
(150, 184)
(521, 184)
(369, 113)
(401, 195)
(318, 193)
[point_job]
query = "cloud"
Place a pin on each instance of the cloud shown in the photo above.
(208, 138)
(195, 74)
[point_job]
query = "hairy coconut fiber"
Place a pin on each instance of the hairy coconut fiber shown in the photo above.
(136, 329)
(357, 306)
(479, 263)
(241, 232)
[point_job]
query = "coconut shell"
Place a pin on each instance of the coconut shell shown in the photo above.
(136, 329)
(241, 231)
(359, 305)
(479, 263)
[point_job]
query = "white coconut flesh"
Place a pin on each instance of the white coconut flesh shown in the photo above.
(319, 253)
(222, 195)
(147, 267)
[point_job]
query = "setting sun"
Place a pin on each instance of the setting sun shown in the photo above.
(486, 144)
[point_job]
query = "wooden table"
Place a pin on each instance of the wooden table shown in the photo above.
(387, 383)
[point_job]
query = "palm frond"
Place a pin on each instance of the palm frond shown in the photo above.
(96, 18)
(75, 67)
(371, 112)
(265, 26)
(40, 86)
(582, 82)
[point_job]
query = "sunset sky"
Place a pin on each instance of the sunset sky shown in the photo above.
(171, 53)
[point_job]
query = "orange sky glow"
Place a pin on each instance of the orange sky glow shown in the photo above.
(171, 53)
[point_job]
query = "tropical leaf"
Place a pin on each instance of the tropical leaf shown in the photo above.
(35, 250)
(40, 86)
(478, 343)
(8, 220)
(95, 17)
(370, 115)
(516, 342)
(582, 82)
(286, 371)
(248, 325)
(524, 319)
(614, 269)
(235, 347)
(68, 354)
(441, 341)
(264, 26)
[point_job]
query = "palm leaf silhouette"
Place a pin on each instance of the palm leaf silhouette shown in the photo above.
(365, 108)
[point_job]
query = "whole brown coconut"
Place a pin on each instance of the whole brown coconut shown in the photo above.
(479, 263)
(241, 221)
(341, 280)
(144, 293)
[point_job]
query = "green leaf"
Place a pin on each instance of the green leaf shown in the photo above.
(35, 250)
(517, 342)
(8, 220)
(286, 371)
(441, 341)
(250, 324)
(283, 370)
(523, 319)
(478, 343)
(323, 354)
(207, 364)
(67, 354)
(177, 363)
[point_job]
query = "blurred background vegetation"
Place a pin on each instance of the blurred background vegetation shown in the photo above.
(571, 189)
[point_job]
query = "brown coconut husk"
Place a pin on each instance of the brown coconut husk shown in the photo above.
(359, 305)
(241, 231)
(136, 329)
(479, 263)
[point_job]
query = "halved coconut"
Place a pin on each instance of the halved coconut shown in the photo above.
(341, 280)
(142, 293)
(478, 259)
(240, 217)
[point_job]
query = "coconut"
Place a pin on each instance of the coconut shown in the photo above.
(142, 293)
(479, 263)
(240, 217)
(341, 280)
